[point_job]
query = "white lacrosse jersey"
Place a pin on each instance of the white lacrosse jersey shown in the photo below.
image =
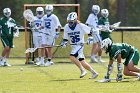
(50, 24)
(37, 25)
(76, 36)
(92, 21)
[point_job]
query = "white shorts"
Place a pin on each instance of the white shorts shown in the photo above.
(37, 41)
(96, 38)
(48, 40)
(78, 51)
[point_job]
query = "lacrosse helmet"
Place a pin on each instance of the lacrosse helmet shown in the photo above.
(49, 9)
(95, 9)
(7, 12)
(106, 44)
(72, 18)
(39, 12)
(104, 13)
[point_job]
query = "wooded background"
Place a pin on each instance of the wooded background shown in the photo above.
(126, 11)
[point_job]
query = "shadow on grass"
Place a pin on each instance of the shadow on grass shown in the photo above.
(75, 79)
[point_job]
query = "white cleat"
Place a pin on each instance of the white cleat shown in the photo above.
(1, 63)
(40, 63)
(103, 80)
(138, 78)
(93, 60)
(83, 74)
(48, 63)
(93, 76)
(6, 64)
(100, 61)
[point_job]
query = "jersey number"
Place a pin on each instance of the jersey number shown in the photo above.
(48, 25)
(75, 38)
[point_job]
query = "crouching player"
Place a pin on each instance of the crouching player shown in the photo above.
(74, 32)
(120, 51)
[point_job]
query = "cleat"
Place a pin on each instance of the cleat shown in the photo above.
(104, 80)
(100, 61)
(93, 60)
(40, 63)
(48, 63)
(83, 74)
(6, 64)
(1, 63)
(95, 75)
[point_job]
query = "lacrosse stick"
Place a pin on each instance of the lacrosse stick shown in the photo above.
(31, 50)
(115, 25)
(28, 15)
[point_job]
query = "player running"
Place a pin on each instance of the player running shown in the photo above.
(8, 31)
(37, 33)
(92, 22)
(50, 24)
(120, 51)
(74, 32)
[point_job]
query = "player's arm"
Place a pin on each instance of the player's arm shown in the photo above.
(109, 69)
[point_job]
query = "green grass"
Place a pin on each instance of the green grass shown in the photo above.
(63, 77)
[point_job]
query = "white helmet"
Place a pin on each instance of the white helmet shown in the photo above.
(39, 12)
(106, 43)
(7, 12)
(95, 9)
(49, 9)
(104, 13)
(72, 18)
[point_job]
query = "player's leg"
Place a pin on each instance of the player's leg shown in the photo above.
(95, 47)
(8, 44)
(50, 42)
(94, 74)
(129, 64)
(73, 58)
(81, 57)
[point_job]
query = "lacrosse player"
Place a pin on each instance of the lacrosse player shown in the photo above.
(74, 32)
(92, 22)
(37, 32)
(50, 24)
(121, 51)
(104, 29)
(9, 30)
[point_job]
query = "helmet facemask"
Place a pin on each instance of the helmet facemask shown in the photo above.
(39, 14)
(106, 45)
(7, 12)
(95, 9)
(104, 13)
(72, 19)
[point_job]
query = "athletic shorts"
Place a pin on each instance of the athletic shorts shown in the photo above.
(133, 56)
(7, 41)
(37, 41)
(77, 51)
(96, 38)
(48, 40)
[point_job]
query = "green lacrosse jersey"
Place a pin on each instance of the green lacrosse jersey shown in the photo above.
(7, 26)
(104, 34)
(120, 48)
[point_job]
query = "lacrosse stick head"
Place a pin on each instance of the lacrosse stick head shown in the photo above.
(28, 15)
(116, 24)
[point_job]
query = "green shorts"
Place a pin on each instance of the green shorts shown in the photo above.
(133, 56)
(7, 41)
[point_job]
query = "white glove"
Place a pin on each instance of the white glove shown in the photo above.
(90, 40)
(63, 44)
(56, 35)
(16, 34)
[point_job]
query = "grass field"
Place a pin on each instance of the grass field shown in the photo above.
(63, 77)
